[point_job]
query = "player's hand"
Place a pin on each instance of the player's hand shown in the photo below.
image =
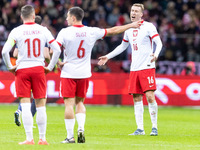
(137, 24)
(61, 64)
(102, 60)
(13, 69)
(154, 58)
(46, 70)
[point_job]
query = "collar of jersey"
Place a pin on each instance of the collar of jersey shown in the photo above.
(79, 26)
(29, 23)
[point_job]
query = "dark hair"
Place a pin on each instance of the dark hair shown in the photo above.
(38, 19)
(77, 12)
(26, 11)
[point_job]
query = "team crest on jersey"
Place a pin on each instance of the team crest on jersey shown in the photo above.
(135, 33)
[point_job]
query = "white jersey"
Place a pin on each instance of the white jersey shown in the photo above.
(140, 40)
(30, 39)
(78, 41)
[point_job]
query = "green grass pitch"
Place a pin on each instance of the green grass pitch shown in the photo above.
(107, 128)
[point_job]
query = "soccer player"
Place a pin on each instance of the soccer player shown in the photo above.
(142, 70)
(78, 41)
(30, 39)
(17, 113)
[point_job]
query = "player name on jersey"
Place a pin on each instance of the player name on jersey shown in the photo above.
(31, 32)
(82, 34)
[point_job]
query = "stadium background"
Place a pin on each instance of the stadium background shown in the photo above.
(177, 23)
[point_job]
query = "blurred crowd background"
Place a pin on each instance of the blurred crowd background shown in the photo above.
(177, 21)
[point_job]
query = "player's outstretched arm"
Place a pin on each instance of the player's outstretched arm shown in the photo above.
(119, 49)
(119, 29)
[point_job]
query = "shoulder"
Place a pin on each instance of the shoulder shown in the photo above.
(148, 24)
(20, 27)
(67, 29)
(130, 30)
(16, 30)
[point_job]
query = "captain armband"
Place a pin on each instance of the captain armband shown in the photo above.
(11, 42)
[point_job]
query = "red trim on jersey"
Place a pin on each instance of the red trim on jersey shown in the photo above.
(104, 34)
(29, 23)
(79, 26)
(155, 36)
(59, 43)
(125, 40)
(51, 41)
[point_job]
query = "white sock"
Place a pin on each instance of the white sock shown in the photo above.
(153, 111)
(69, 124)
(27, 120)
(80, 117)
(139, 110)
(41, 119)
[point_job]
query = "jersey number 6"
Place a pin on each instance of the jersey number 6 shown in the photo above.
(35, 41)
(81, 50)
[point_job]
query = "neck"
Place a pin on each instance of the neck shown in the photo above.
(78, 23)
(28, 20)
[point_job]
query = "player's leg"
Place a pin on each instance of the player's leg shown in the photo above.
(27, 120)
(148, 84)
(23, 88)
(39, 93)
(136, 91)
(153, 111)
(68, 90)
(69, 119)
(80, 117)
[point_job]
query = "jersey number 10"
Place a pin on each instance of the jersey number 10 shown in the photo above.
(34, 42)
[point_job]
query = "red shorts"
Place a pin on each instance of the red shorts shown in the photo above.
(31, 79)
(74, 87)
(141, 81)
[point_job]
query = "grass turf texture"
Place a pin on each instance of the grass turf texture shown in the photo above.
(107, 127)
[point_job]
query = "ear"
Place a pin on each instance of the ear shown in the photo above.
(73, 18)
(33, 16)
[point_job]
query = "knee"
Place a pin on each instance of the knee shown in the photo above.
(150, 97)
(137, 97)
